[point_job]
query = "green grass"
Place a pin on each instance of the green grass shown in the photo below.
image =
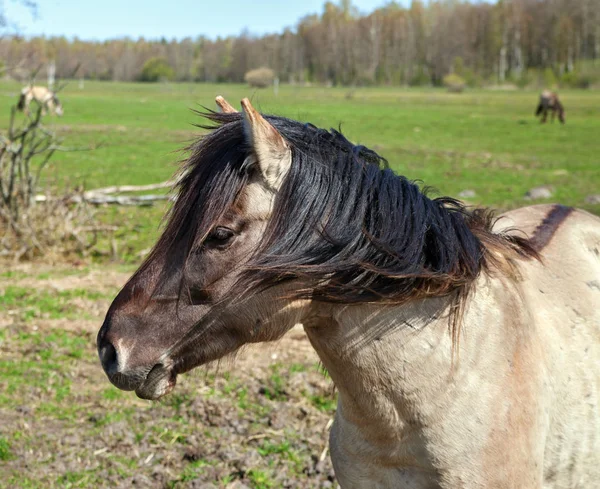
(487, 141)
(12, 275)
(44, 367)
(261, 479)
(275, 389)
(282, 450)
(81, 479)
(191, 472)
(5, 453)
(326, 404)
(35, 303)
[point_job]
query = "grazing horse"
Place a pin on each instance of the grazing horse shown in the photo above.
(45, 97)
(549, 102)
(465, 350)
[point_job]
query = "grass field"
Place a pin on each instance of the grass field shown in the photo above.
(486, 141)
(264, 424)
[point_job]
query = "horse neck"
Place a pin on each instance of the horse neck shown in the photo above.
(393, 365)
(369, 349)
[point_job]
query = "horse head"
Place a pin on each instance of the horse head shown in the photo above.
(58, 108)
(188, 303)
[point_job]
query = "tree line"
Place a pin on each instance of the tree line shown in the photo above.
(507, 40)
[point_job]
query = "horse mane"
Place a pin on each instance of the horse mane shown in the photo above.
(343, 222)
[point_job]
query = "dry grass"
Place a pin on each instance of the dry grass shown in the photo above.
(54, 228)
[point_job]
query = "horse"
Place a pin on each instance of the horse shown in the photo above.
(45, 97)
(464, 347)
(549, 102)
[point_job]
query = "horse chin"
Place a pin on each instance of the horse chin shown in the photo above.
(159, 382)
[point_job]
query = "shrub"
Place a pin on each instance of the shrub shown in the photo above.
(420, 78)
(471, 78)
(156, 69)
(33, 224)
(454, 82)
(260, 77)
(578, 80)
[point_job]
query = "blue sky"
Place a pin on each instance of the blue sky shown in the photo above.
(106, 19)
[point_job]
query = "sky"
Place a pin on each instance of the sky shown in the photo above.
(153, 19)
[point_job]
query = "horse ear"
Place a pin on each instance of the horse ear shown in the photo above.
(225, 106)
(271, 150)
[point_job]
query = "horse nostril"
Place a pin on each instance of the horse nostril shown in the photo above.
(108, 357)
(114, 364)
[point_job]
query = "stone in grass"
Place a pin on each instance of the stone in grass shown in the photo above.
(467, 194)
(542, 192)
(593, 199)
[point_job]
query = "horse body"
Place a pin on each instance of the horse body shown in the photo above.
(464, 356)
(549, 102)
(45, 97)
(517, 407)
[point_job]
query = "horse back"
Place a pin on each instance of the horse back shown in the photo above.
(562, 294)
(41, 93)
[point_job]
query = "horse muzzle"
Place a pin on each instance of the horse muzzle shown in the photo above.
(149, 380)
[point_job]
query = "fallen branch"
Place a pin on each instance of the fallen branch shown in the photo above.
(140, 200)
(103, 195)
(91, 229)
(119, 189)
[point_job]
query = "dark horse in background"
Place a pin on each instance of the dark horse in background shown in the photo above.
(549, 102)
(277, 222)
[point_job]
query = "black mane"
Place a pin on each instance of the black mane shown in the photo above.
(342, 219)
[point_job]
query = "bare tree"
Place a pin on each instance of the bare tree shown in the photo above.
(394, 44)
(27, 229)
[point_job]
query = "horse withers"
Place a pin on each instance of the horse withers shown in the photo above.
(549, 102)
(465, 349)
(45, 97)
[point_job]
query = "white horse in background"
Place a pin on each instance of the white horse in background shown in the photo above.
(45, 97)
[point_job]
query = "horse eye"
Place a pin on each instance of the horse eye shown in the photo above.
(219, 236)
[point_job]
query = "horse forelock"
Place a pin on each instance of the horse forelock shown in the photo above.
(208, 183)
